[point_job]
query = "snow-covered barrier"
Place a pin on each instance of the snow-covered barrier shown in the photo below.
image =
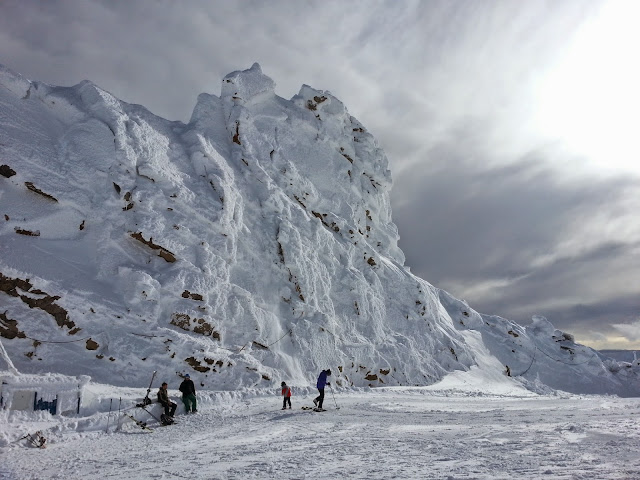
(56, 393)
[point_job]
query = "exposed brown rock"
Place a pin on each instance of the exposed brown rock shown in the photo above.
(181, 320)
(163, 252)
(28, 233)
(204, 328)
(260, 345)
(47, 304)
(9, 328)
(192, 296)
(196, 325)
(6, 171)
(236, 137)
(35, 189)
(196, 365)
(9, 285)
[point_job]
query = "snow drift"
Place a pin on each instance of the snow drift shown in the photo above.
(252, 245)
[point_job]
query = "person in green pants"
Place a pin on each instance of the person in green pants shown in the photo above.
(188, 390)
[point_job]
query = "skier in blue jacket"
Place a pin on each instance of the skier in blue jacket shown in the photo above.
(322, 381)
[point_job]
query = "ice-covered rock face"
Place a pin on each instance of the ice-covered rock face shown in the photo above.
(252, 245)
(247, 85)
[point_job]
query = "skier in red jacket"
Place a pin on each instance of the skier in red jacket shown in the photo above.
(286, 393)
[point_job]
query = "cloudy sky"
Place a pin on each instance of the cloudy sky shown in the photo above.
(511, 127)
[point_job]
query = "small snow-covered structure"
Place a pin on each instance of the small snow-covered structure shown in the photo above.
(56, 393)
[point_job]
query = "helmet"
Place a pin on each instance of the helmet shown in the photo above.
(282, 384)
(328, 371)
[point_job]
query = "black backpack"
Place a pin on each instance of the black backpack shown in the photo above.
(166, 419)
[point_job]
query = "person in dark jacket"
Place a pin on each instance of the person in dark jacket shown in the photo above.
(188, 390)
(163, 399)
(322, 381)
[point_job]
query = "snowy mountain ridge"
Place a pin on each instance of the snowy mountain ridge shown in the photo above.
(252, 245)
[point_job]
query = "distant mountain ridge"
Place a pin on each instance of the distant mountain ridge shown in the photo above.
(628, 356)
(251, 245)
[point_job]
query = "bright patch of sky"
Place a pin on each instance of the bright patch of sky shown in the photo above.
(590, 99)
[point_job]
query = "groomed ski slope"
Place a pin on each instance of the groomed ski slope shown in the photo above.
(459, 429)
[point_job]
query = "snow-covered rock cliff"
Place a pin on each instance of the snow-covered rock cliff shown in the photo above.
(251, 245)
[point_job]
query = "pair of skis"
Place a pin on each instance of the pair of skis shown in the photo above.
(36, 440)
(315, 409)
(143, 425)
(147, 401)
(164, 419)
(139, 423)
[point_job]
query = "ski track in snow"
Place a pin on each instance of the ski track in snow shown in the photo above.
(390, 434)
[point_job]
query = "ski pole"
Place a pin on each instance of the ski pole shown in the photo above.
(334, 397)
(147, 400)
(109, 417)
(21, 438)
(119, 415)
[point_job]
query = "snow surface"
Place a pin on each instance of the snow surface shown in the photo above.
(453, 431)
(252, 245)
